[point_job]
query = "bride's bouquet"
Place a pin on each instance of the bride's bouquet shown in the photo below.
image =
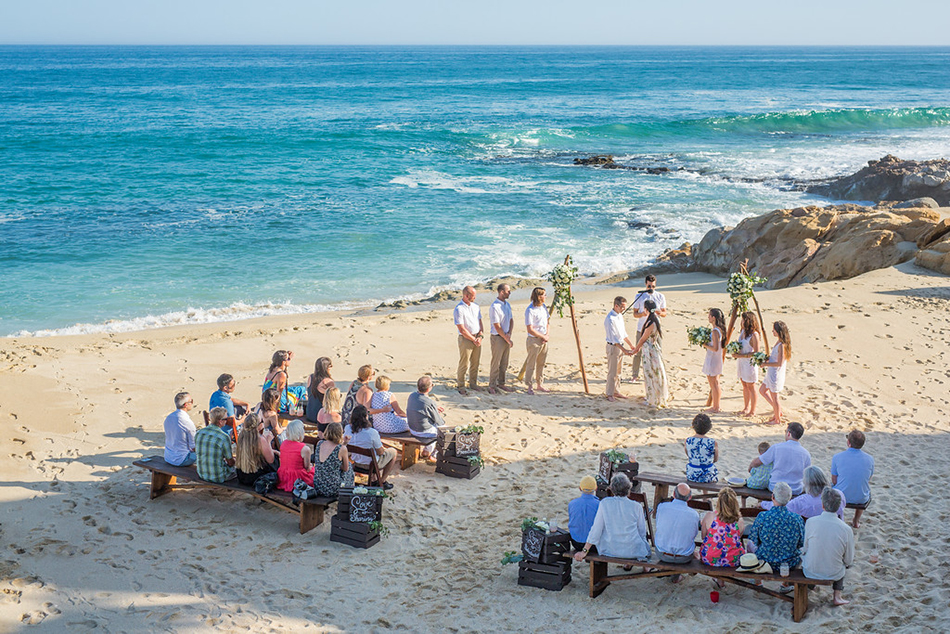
(699, 336)
(758, 358)
(734, 347)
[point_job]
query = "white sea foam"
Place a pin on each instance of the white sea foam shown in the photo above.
(431, 179)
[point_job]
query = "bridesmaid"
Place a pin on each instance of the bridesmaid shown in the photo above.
(712, 367)
(774, 381)
(654, 372)
(748, 373)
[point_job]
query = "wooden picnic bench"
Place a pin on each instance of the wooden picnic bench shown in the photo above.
(653, 567)
(165, 477)
(410, 446)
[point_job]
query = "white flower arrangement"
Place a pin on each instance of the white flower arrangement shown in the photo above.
(561, 278)
(699, 335)
(734, 347)
(740, 286)
(758, 358)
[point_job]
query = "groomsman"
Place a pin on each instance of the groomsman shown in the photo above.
(616, 337)
(468, 320)
(499, 316)
(639, 311)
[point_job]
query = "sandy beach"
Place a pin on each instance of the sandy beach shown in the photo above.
(84, 548)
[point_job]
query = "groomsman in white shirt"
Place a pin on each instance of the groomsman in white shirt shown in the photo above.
(499, 316)
(616, 337)
(468, 320)
(642, 313)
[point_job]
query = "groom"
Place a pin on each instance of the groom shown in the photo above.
(642, 313)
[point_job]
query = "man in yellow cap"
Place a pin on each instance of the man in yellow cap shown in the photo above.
(581, 512)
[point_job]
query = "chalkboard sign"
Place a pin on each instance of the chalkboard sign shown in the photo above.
(466, 445)
(363, 508)
(605, 467)
(532, 541)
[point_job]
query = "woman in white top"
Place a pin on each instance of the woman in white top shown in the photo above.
(775, 370)
(619, 528)
(536, 323)
(748, 373)
(712, 367)
(391, 422)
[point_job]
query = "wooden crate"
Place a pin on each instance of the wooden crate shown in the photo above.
(451, 444)
(370, 505)
(545, 548)
(608, 470)
(356, 534)
(456, 467)
(547, 576)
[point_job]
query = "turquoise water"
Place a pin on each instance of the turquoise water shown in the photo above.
(145, 186)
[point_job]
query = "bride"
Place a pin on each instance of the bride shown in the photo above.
(654, 373)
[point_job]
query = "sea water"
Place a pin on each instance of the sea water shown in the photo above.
(148, 186)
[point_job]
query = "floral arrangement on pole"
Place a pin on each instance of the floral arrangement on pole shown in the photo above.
(561, 278)
(740, 287)
(699, 336)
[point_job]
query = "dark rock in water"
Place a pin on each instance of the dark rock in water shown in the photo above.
(892, 179)
(657, 170)
(638, 224)
(600, 159)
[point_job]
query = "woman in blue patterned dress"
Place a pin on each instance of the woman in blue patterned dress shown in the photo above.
(701, 452)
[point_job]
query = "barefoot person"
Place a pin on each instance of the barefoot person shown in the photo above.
(829, 545)
(616, 337)
(851, 472)
(774, 381)
(424, 416)
(536, 323)
(468, 321)
(654, 371)
(712, 367)
(502, 325)
(748, 373)
(650, 293)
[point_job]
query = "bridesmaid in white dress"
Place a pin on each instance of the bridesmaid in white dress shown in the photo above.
(712, 367)
(748, 373)
(774, 381)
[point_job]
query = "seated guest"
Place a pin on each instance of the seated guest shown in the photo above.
(251, 461)
(387, 422)
(759, 476)
(294, 458)
(331, 463)
(424, 416)
(851, 472)
(676, 527)
(777, 533)
(268, 413)
(222, 398)
(213, 447)
(808, 504)
(291, 396)
(330, 412)
(317, 385)
(829, 545)
(581, 511)
(701, 452)
(722, 533)
(360, 433)
(619, 528)
(180, 433)
(788, 459)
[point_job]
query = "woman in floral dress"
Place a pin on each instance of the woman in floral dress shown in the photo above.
(654, 372)
(722, 533)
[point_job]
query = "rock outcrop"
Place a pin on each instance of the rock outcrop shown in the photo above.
(892, 179)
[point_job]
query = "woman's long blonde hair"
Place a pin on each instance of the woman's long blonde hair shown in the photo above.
(249, 457)
(727, 506)
(333, 400)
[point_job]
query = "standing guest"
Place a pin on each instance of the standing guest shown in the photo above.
(180, 433)
(502, 325)
(330, 412)
(222, 398)
(777, 533)
(252, 462)
(702, 452)
(317, 385)
(774, 381)
(712, 366)
(759, 476)
(291, 396)
(788, 459)
(424, 415)
(213, 448)
(639, 310)
(851, 472)
(392, 421)
(829, 545)
(748, 373)
(676, 528)
(536, 323)
(294, 458)
(268, 412)
(808, 504)
(331, 463)
(656, 387)
(360, 433)
(468, 321)
(616, 337)
(722, 533)
(619, 528)
(581, 512)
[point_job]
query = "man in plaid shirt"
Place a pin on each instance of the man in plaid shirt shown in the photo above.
(213, 446)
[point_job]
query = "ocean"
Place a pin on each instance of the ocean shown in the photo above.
(147, 186)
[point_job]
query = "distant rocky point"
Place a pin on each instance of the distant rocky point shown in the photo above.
(456, 295)
(892, 179)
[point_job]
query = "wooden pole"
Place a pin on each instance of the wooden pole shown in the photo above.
(580, 353)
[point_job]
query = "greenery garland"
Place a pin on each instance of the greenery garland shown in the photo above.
(740, 286)
(561, 278)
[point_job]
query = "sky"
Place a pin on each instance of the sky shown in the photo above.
(505, 22)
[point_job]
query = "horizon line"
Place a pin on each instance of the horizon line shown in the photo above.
(467, 45)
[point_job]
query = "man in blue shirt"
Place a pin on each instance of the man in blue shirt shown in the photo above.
(788, 459)
(676, 528)
(581, 512)
(223, 398)
(851, 472)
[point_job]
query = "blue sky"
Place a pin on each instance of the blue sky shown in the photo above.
(624, 22)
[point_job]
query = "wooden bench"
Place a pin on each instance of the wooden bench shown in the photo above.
(600, 579)
(663, 481)
(165, 477)
(410, 447)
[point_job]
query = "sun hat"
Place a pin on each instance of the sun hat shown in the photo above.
(750, 563)
(588, 484)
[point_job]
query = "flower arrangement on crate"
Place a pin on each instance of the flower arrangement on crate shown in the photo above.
(758, 358)
(740, 287)
(471, 429)
(616, 456)
(699, 335)
(532, 522)
(375, 491)
(561, 278)
(734, 347)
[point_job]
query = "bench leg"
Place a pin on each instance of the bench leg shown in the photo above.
(160, 484)
(311, 516)
(598, 578)
(660, 493)
(800, 602)
(410, 456)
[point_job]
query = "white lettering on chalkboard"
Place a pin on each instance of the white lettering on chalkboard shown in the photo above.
(363, 508)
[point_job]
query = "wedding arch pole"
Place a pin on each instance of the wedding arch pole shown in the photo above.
(577, 334)
(734, 314)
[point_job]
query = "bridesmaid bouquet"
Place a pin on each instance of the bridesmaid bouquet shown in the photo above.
(699, 336)
(734, 347)
(758, 358)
